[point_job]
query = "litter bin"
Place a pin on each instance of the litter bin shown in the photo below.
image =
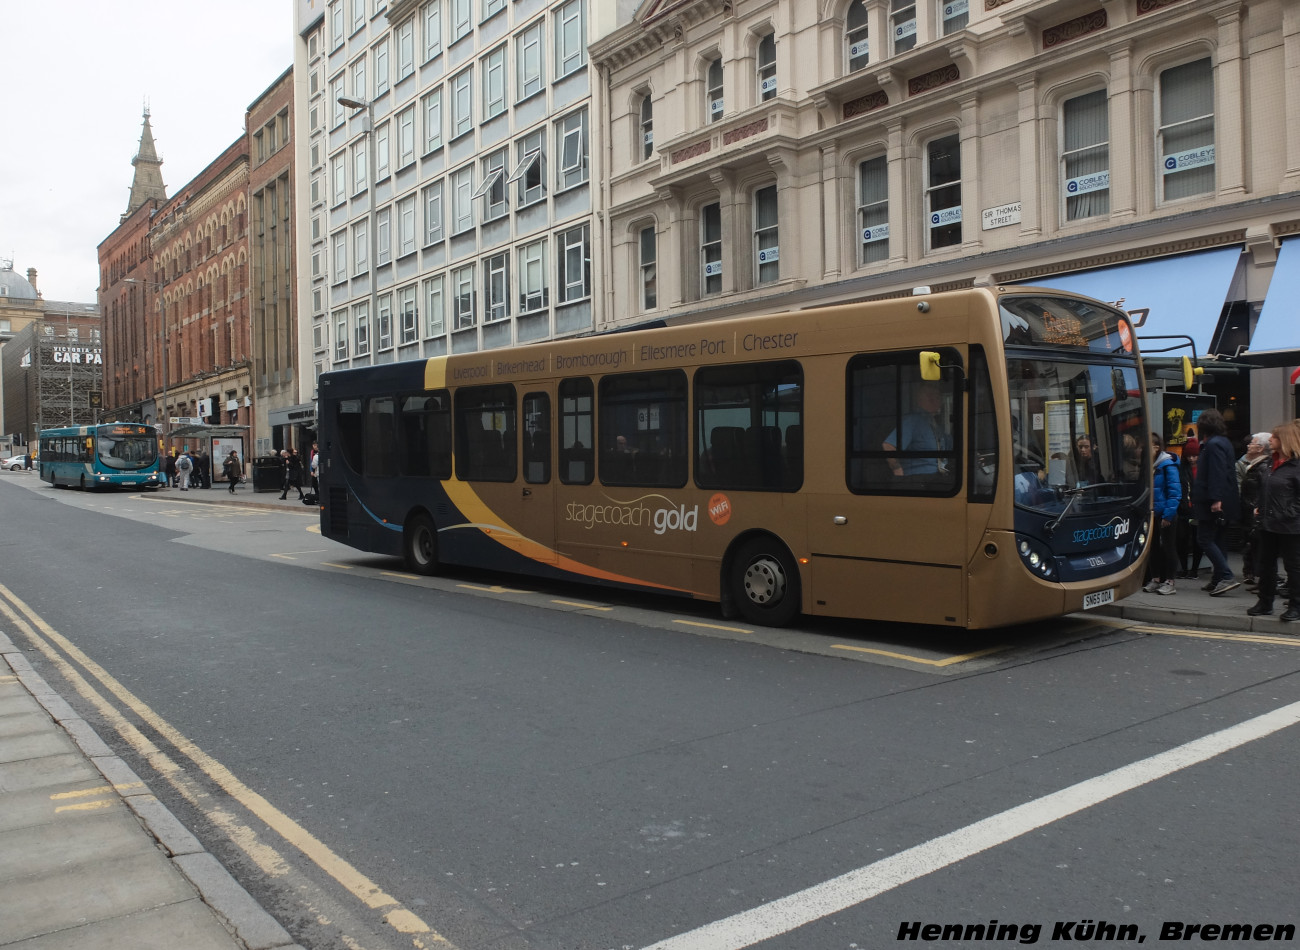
(268, 473)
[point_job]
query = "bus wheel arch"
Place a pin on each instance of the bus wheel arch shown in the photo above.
(420, 543)
(760, 581)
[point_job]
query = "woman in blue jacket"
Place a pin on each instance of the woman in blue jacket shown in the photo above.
(1167, 492)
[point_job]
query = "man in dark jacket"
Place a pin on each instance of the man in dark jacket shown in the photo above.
(1215, 501)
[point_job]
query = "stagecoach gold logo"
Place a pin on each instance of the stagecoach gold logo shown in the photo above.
(637, 514)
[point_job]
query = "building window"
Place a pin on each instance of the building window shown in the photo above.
(647, 127)
(528, 60)
(943, 191)
(361, 247)
(434, 303)
(462, 289)
(955, 15)
(494, 83)
(462, 199)
(406, 137)
(340, 243)
(530, 156)
(384, 236)
(405, 49)
(649, 270)
(461, 18)
(406, 226)
(407, 313)
(384, 314)
(358, 14)
(361, 326)
(383, 151)
(359, 79)
(341, 335)
(339, 177)
(432, 121)
(381, 67)
(496, 286)
(359, 177)
(713, 90)
(902, 20)
(1085, 156)
(574, 264)
(493, 188)
(767, 250)
(492, 7)
(873, 209)
(571, 134)
(337, 115)
(856, 36)
(338, 26)
(1187, 130)
(570, 41)
(532, 277)
(767, 67)
(432, 29)
(462, 103)
(711, 249)
(433, 213)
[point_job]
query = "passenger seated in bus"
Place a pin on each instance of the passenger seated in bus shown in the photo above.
(1032, 488)
(922, 431)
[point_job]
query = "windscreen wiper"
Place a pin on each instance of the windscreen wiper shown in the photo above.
(1075, 493)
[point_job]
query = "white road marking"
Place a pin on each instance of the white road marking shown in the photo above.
(803, 907)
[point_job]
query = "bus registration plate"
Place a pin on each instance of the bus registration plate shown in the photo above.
(1099, 597)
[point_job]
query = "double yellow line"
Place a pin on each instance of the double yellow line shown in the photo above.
(50, 642)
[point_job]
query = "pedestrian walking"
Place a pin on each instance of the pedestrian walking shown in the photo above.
(184, 465)
(1279, 522)
(1167, 492)
(1215, 502)
(203, 468)
(292, 473)
(233, 469)
(1250, 470)
(170, 469)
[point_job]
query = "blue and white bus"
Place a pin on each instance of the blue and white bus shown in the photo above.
(114, 455)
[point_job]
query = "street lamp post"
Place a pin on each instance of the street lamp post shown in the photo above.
(373, 226)
(162, 336)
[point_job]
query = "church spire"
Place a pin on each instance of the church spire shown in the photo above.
(148, 181)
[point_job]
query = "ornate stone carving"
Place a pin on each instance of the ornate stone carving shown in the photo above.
(1073, 29)
(1150, 6)
(745, 131)
(933, 79)
(864, 104)
(692, 151)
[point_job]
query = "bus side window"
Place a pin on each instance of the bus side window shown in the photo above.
(577, 431)
(983, 430)
(537, 438)
(486, 434)
(749, 426)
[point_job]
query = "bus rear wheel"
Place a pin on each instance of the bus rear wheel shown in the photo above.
(765, 583)
(421, 544)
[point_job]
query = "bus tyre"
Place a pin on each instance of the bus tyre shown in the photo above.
(421, 539)
(765, 583)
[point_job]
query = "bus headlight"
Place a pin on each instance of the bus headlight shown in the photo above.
(1037, 558)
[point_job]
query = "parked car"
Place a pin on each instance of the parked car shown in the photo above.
(14, 463)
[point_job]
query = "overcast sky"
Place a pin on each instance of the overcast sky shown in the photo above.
(76, 77)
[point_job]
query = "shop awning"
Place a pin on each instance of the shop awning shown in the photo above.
(1180, 295)
(1276, 340)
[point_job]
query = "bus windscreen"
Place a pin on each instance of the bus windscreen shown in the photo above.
(1042, 320)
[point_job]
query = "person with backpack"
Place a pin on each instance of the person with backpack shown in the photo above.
(1167, 492)
(184, 465)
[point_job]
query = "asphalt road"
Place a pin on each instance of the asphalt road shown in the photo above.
(387, 761)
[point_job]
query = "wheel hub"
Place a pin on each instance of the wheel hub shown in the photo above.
(764, 581)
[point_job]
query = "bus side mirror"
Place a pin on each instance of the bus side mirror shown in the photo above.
(930, 366)
(1189, 372)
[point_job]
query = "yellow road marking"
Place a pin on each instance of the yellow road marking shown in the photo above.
(1282, 640)
(574, 603)
(949, 661)
(291, 555)
(409, 577)
(713, 626)
(345, 567)
(494, 589)
(85, 806)
(344, 873)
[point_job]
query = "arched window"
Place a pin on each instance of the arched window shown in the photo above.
(713, 90)
(767, 67)
(857, 35)
(647, 127)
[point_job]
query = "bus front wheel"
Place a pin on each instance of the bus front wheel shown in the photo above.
(421, 539)
(765, 583)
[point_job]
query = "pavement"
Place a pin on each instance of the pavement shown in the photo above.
(89, 858)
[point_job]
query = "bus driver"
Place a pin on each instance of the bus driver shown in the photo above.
(922, 431)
